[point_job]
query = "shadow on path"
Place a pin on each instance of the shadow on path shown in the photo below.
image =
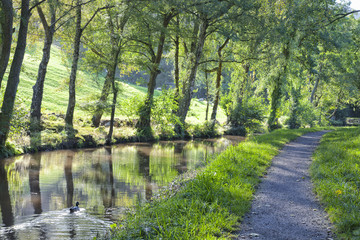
(285, 206)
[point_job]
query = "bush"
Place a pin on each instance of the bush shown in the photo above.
(163, 114)
(246, 116)
(208, 129)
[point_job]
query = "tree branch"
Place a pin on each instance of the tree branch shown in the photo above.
(340, 16)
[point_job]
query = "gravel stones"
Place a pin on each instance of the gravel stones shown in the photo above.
(285, 206)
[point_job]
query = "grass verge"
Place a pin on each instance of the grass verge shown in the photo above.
(336, 175)
(210, 204)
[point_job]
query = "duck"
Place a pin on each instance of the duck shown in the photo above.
(76, 208)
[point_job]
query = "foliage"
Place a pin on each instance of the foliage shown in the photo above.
(245, 116)
(208, 129)
(336, 175)
(163, 114)
(130, 106)
(210, 205)
(91, 104)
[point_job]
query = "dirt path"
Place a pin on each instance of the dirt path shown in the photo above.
(285, 206)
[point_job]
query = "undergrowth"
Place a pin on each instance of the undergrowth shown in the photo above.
(336, 175)
(211, 204)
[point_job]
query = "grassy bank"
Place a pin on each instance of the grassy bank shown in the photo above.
(88, 86)
(210, 204)
(336, 175)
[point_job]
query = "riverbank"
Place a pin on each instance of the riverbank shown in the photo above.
(210, 204)
(53, 136)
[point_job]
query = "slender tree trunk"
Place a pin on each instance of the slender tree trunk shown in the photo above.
(189, 55)
(72, 100)
(103, 97)
(108, 80)
(13, 80)
(145, 112)
(115, 92)
(184, 103)
(218, 81)
(312, 97)
(38, 88)
(276, 93)
(6, 23)
(207, 96)
(113, 108)
(177, 70)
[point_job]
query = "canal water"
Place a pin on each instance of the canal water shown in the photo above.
(36, 190)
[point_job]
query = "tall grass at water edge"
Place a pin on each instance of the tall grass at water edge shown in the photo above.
(336, 175)
(210, 204)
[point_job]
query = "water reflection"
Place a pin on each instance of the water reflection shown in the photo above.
(5, 202)
(34, 182)
(69, 179)
(38, 189)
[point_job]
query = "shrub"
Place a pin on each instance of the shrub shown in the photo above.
(163, 114)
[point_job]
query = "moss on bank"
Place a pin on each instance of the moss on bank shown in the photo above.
(211, 204)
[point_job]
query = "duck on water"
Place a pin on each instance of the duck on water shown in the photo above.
(76, 208)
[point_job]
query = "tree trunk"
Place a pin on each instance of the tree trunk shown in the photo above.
(13, 80)
(184, 103)
(218, 81)
(207, 96)
(276, 93)
(6, 23)
(38, 88)
(177, 70)
(72, 100)
(104, 95)
(115, 92)
(312, 97)
(113, 108)
(109, 79)
(145, 113)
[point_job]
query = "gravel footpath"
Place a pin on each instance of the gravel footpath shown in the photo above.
(285, 206)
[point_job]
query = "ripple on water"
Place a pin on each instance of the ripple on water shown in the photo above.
(57, 225)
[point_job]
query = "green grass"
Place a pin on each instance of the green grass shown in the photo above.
(55, 98)
(336, 175)
(210, 204)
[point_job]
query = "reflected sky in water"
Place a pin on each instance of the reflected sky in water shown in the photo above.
(36, 190)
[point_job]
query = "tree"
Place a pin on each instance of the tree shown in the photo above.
(155, 56)
(75, 59)
(6, 30)
(38, 88)
(13, 79)
(116, 20)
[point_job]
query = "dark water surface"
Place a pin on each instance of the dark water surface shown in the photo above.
(36, 190)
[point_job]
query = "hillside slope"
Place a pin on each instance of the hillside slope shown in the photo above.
(55, 97)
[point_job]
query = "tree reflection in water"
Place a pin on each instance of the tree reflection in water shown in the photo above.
(181, 167)
(69, 179)
(144, 169)
(5, 203)
(34, 182)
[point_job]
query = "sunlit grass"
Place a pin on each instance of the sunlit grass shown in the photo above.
(211, 204)
(336, 175)
(56, 96)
